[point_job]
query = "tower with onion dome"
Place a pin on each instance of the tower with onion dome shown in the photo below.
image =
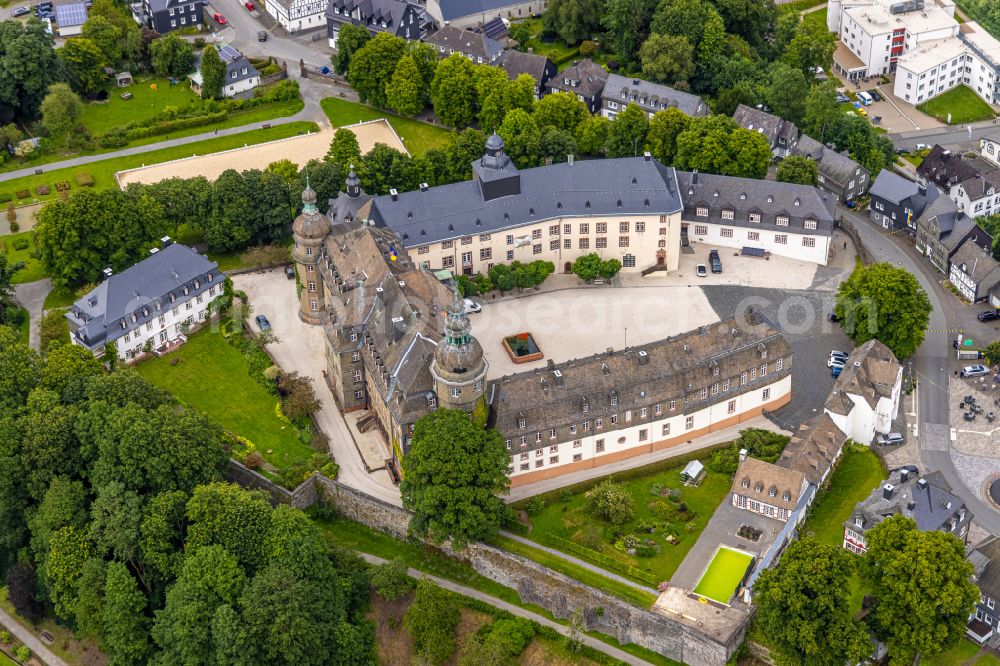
(459, 367)
(308, 231)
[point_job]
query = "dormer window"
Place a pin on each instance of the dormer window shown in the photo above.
(727, 214)
(209, 277)
(809, 224)
(781, 221)
(134, 318)
(124, 325)
(521, 422)
(586, 406)
(772, 491)
(758, 486)
(746, 482)
(786, 496)
(755, 217)
(859, 521)
(614, 399)
(701, 211)
(197, 284)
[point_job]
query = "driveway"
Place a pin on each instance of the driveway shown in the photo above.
(31, 296)
(302, 348)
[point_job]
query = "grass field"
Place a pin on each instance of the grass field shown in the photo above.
(959, 655)
(724, 574)
(567, 519)
(855, 477)
(104, 171)
(817, 17)
(211, 376)
(59, 298)
(33, 269)
(961, 102)
(417, 136)
(6, 661)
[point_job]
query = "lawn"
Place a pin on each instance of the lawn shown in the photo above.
(555, 50)
(724, 574)
(855, 477)
(664, 507)
(417, 136)
(816, 18)
(104, 171)
(59, 297)
(33, 269)
(6, 661)
(959, 655)
(211, 375)
(961, 102)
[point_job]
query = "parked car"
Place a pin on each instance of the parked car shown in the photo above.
(713, 259)
(975, 371)
(262, 323)
(249, 6)
(701, 271)
(875, 95)
(20, 11)
(889, 439)
(471, 306)
(262, 36)
(836, 370)
(289, 272)
(219, 18)
(865, 98)
(921, 146)
(902, 151)
(989, 315)
(836, 362)
(841, 98)
(838, 354)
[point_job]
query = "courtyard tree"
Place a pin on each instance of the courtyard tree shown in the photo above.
(522, 140)
(627, 134)
(452, 476)
(803, 610)
(716, 144)
(591, 266)
(350, 39)
(664, 128)
(885, 303)
(923, 619)
(453, 91)
(611, 501)
(372, 67)
(591, 134)
(992, 353)
(344, 149)
(798, 169)
(561, 110)
(171, 56)
(298, 399)
(213, 73)
(61, 110)
(403, 93)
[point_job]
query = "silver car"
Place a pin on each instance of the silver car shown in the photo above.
(889, 439)
(975, 371)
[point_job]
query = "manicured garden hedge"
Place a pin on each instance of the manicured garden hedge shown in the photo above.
(602, 559)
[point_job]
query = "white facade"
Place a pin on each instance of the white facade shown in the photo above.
(647, 429)
(299, 15)
(233, 88)
(802, 247)
(863, 422)
(965, 284)
(989, 149)
(987, 204)
(942, 65)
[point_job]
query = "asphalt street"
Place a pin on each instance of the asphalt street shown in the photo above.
(950, 136)
(931, 364)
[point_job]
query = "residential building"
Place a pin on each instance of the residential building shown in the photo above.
(974, 271)
(969, 57)
(620, 91)
(985, 559)
(927, 499)
(760, 215)
(781, 134)
(865, 398)
(767, 489)
(475, 46)
(298, 15)
(837, 172)
(946, 169)
(70, 18)
(603, 408)
(978, 196)
(166, 15)
(476, 13)
(585, 79)
(814, 449)
(941, 229)
(397, 17)
(539, 68)
(897, 202)
(148, 307)
(989, 150)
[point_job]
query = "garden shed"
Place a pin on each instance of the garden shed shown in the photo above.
(692, 471)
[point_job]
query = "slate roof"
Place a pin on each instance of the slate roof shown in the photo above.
(932, 506)
(945, 168)
(464, 41)
(870, 372)
(979, 264)
(985, 560)
(757, 479)
(372, 13)
(838, 167)
(651, 96)
(631, 185)
(456, 9)
(813, 448)
(977, 186)
(767, 124)
(585, 77)
(532, 64)
(676, 368)
(893, 187)
(747, 195)
(243, 69)
(98, 317)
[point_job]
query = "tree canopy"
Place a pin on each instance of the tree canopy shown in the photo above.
(28, 66)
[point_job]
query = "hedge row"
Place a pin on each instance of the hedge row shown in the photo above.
(167, 126)
(602, 559)
(517, 527)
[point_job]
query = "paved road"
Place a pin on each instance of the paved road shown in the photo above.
(578, 562)
(601, 646)
(36, 646)
(931, 363)
(955, 135)
(32, 297)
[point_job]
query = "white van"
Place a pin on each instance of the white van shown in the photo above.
(865, 98)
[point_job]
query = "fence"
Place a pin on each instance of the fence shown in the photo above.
(848, 226)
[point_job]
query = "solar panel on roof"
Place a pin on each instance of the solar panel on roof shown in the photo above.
(74, 14)
(495, 29)
(228, 53)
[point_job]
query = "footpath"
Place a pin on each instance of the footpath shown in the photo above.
(25, 636)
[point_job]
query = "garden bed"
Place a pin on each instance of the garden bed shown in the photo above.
(522, 348)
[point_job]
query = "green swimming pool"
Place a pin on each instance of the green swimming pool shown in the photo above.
(724, 574)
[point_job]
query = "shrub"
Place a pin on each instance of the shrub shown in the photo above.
(21, 243)
(253, 460)
(534, 506)
(116, 137)
(84, 179)
(43, 190)
(589, 536)
(53, 327)
(62, 186)
(11, 212)
(5, 197)
(265, 255)
(390, 580)
(761, 444)
(199, 42)
(22, 653)
(23, 194)
(299, 398)
(611, 501)
(22, 591)
(5, 637)
(588, 48)
(431, 620)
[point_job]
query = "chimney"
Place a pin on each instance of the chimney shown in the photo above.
(694, 177)
(569, 159)
(635, 82)
(107, 273)
(904, 475)
(394, 194)
(911, 505)
(647, 155)
(423, 187)
(153, 250)
(922, 483)
(643, 357)
(743, 455)
(887, 491)
(166, 241)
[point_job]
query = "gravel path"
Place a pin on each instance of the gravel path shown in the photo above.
(36, 646)
(601, 646)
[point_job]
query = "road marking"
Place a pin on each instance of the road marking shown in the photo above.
(930, 381)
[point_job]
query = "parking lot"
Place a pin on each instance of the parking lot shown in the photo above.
(896, 115)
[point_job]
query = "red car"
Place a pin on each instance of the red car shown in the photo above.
(220, 19)
(249, 6)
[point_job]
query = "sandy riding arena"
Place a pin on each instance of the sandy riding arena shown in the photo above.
(298, 149)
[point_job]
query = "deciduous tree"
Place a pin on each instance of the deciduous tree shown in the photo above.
(106, 36)
(664, 128)
(521, 138)
(798, 169)
(561, 110)
(126, 628)
(372, 67)
(573, 20)
(350, 39)
(226, 515)
(628, 23)
(886, 303)
(28, 66)
(812, 46)
(627, 134)
(213, 73)
(390, 580)
(171, 55)
(592, 135)
(453, 91)
(431, 620)
(403, 93)
(452, 475)
(61, 110)
(22, 591)
(69, 549)
(84, 64)
(667, 58)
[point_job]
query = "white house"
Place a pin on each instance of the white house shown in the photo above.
(989, 149)
(149, 306)
(296, 15)
(865, 398)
